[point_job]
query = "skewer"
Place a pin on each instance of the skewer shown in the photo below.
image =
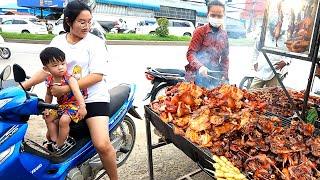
(245, 153)
(283, 175)
(312, 166)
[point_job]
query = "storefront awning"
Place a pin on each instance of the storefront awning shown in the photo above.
(41, 4)
(143, 4)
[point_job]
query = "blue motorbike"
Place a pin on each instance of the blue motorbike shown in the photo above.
(22, 158)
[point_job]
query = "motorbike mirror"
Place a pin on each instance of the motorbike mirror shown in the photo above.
(5, 73)
(18, 73)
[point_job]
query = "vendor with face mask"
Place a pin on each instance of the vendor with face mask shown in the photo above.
(208, 51)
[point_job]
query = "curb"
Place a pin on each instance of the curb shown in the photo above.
(112, 42)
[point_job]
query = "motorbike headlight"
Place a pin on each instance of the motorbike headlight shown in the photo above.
(5, 154)
(3, 102)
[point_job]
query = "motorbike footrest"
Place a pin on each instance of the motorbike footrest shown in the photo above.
(69, 144)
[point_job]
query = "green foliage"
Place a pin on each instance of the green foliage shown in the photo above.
(6, 35)
(126, 37)
(162, 30)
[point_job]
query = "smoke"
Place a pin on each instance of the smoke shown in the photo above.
(207, 57)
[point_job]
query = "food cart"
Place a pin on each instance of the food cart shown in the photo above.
(280, 152)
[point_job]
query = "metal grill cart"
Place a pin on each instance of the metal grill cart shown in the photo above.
(302, 27)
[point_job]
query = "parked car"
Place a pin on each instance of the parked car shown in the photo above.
(19, 25)
(147, 22)
(176, 27)
(96, 29)
(58, 27)
(53, 16)
(107, 25)
(236, 30)
(28, 17)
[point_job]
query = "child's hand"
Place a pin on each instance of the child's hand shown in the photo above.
(82, 112)
(45, 113)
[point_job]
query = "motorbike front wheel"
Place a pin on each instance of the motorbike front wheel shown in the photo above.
(160, 90)
(246, 82)
(5, 53)
(123, 139)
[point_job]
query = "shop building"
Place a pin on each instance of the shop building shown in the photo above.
(191, 10)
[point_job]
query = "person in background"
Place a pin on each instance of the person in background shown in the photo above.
(86, 61)
(264, 76)
(209, 50)
(122, 25)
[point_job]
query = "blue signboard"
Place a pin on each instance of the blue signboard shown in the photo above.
(41, 3)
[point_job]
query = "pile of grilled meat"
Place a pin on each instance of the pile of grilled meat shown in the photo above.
(231, 123)
(278, 103)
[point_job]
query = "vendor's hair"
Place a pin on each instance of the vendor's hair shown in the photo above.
(215, 3)
(51, 54)
(72, 11)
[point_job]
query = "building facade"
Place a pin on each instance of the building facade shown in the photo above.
(191, 10)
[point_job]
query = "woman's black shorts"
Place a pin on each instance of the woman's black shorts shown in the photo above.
(97, 109)
(93, 109)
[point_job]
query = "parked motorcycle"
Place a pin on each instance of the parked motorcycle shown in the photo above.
(5, 52)
(162, 78)
(246, 81)
(22, 158)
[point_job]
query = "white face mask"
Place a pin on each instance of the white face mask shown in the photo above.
(215, 22)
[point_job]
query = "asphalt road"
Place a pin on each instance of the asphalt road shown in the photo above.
(127, 64)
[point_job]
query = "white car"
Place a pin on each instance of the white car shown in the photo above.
(19, 25)
(176, 27)
(58, 27)
(96, 29)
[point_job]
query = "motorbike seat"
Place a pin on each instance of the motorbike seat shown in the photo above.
(176, 72)
(118, 96)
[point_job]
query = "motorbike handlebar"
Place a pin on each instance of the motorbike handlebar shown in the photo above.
(42, 106)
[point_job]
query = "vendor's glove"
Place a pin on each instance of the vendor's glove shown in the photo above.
(225, 80)
(203, 71)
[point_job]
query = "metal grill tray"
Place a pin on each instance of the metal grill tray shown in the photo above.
(202, 156)
(287, 121)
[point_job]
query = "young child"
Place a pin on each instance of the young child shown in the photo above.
(71, 105)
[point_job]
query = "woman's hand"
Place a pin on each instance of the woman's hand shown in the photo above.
(59, 91)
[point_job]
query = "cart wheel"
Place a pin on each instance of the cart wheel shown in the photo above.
(246, 82)
(160, 90)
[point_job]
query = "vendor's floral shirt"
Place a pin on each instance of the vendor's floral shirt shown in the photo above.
(210, 48)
